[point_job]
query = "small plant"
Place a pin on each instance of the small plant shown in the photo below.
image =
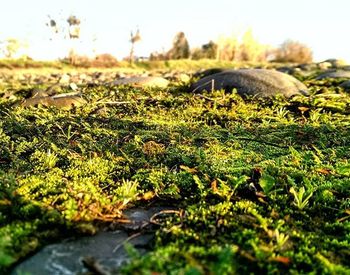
(301, 200)
(281, 238)
(127, 192)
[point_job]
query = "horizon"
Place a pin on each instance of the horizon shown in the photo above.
(106, 25)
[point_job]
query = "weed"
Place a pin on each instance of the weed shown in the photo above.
(301, 199)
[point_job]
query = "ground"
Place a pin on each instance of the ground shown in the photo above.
(260, 185)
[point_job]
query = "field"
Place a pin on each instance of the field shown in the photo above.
(259, 185)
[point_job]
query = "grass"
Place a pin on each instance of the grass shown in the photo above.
(263, 184)
(182, 65)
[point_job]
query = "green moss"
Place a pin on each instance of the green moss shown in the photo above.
(263, 183)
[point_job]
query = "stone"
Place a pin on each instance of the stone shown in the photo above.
(336, 63)
(286, 69)
(73, 86)
(252, 82)
(324, 65)
(62, 101)
(143, 81)
(65, 78)
(67, 257)
(307, 67)
(207, 72)
(103, 253)
(346, 85)
(334, 74)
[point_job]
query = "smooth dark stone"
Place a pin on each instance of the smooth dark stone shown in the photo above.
(252, 82)
(332, 74)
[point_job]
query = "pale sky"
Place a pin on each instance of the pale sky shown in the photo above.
(323, 25)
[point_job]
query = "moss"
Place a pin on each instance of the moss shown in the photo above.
(263, 183)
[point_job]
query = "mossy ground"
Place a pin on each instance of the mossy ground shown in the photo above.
(262, 185)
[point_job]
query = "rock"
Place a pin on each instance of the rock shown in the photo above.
(207, 72)
(324, 65)
(307, 67)
(346, 85)
(286, 69)
(334, 74)
(103, 253)
(65, 78)
(254, 82)
(143, 81)
(63, 101)
(67, 257)
(73, 86)
(336, 63)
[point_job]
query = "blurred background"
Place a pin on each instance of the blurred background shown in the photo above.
(232, 30)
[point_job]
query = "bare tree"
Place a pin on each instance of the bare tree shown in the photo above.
(74, 27)
(133, 39)
(71, 32)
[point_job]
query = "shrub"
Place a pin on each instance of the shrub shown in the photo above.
(207, 51)
(245, 48)
(181, 48)
(104, 60)
(293, 51)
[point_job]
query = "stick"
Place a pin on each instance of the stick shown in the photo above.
(125, 241)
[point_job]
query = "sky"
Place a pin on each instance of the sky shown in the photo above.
(323, 25)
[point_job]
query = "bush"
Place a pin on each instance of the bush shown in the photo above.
(293, 51)
(207, 51)
(105, 60)
(181, 48)
(245, 48)
(100, 61)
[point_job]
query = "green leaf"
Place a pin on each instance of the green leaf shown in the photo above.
(267, 182)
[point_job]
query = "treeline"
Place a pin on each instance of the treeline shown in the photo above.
(235, 48)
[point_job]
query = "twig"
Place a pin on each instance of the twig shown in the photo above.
(152, 219)
(125, 241)
(67, 94)
(205, 97)
(205, 83)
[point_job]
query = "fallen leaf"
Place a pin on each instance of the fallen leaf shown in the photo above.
(214, 186)
(281, 259)
(324, 171)
(188, 169)
(303, 109)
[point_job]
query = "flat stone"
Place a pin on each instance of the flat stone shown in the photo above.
(346, 85)
(65, 78)
(143, 81)
(324, 65)
(67, 257)
(286, 69)
(105, 250)
(336, 63)
(204, 73)
(60, 101)
(252, 82)
(334, 74)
